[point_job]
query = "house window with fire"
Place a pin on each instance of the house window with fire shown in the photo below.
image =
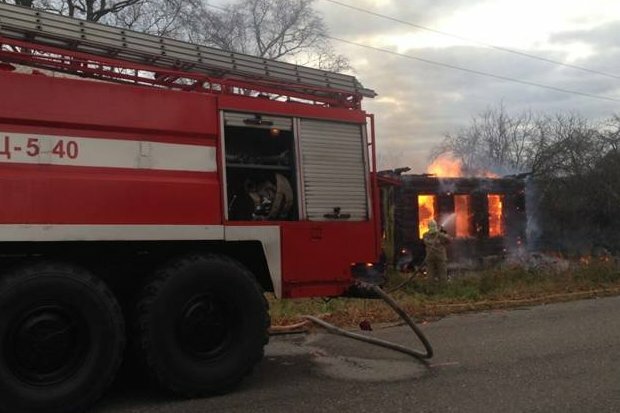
(458, 223)
(496, 219)
(427, 207)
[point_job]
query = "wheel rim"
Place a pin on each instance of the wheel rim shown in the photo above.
(47, 344)
(205, 326)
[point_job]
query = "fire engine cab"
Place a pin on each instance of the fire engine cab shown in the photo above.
(150, 191)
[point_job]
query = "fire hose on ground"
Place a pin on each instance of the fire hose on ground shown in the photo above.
(377, 341)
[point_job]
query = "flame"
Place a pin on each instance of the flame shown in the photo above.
(463, 215)
(487, 174)
(446, 166)
(496, 221)
(426, 212)
(589, 259)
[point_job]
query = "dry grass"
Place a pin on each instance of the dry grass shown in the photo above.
(491, 289)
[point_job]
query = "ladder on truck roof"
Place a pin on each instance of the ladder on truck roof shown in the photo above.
(60, 43)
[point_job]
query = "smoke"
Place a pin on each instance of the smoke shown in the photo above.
(555, 224)
(447, 186)
(492, 169)
(447, 165)
(533, 231)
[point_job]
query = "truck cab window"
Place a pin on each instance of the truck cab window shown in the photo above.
(260, 169)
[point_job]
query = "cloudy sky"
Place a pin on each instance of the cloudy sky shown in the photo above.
(419, 102)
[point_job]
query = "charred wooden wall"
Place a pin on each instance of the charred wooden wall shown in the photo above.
(479, 244)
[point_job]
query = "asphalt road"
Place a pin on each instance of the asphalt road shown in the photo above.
(554, 358)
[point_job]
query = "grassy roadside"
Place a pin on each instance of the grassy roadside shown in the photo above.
(490, 289)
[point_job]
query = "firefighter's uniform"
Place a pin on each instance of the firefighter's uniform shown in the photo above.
(436, 254)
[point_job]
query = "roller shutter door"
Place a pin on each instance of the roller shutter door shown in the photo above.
(334, 171)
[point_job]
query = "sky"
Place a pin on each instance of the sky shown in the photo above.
(418, 103)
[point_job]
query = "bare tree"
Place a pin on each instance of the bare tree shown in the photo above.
(611, 133)
(575, 164)
(560, 145)
(92, 10)
(160, 17)
(495, 141)
(274, 29)
(25, 3)
(573, 145)
(291, 30)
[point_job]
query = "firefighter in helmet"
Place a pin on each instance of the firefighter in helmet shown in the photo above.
(435, 241)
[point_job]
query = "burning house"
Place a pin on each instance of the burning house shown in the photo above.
(484, 215)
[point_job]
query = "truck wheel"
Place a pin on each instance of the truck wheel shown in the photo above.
(201, 325)
(61, 339)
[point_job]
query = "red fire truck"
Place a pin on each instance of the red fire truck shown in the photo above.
(150, 191)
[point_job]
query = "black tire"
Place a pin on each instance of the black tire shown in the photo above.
(201, 325)
(61, 339)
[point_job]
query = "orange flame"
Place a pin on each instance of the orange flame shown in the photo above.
(446, 166)
(426, 212)
(496, 221)
(488, 174)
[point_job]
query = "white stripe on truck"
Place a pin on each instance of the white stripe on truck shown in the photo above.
(19, 148)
